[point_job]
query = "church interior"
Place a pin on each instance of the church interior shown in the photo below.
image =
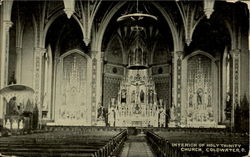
(124, 78)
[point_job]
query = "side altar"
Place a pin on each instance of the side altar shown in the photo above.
(137, 104)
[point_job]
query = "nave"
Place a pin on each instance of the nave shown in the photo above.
(62, 141)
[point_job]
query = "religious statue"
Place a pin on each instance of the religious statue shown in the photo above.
(133, 97)
(228, 108)
(137, 109)
(209, 101)
(123, 96)
(199, 97)
(162, 117)
(100, 112)
(111, 116)
(12, 105)
(142, 96)
(21, 124)
(150, 96)
(14, 124)
(8, 125)
(190, 101)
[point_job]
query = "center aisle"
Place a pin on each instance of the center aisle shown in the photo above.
(137, 146)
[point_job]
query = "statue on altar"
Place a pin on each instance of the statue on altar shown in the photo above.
(123, 96)
(142, 96)
(199, 96)
(136, 103)
(101, 112)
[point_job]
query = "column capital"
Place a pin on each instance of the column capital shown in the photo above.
(7, 25)
(179, 54)
(94, 54)
(40, 50)
(102, 55)
(18, 50)
(86, 41)
(235, 52)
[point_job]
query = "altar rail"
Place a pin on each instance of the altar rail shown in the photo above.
(82, 128)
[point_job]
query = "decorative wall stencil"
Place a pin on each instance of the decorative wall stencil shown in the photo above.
(161, 69)
(200, 109)
(114, 51)
(111, 88)
(163, 89)
(110, 69)
(71, 106)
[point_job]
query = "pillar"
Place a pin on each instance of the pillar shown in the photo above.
(4, 62)
(235, 53)
(37, 80)
(177, 87)
(94, 88)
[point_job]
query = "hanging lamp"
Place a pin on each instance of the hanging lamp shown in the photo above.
(137, 21)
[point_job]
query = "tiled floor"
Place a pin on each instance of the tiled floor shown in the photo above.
(136, 147)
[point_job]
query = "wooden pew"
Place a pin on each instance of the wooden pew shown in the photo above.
(62, 144)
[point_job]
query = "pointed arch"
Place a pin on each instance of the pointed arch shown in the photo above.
(53, 19)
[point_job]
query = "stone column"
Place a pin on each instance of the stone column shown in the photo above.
(18, 64)
(173, 79)
(218, 111)
(37, 80)
(5, 52)
(235, 53)
(176, 85)
(94, 88)
(224, 82)
(4, 61)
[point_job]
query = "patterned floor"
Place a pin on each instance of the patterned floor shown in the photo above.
(136, 147)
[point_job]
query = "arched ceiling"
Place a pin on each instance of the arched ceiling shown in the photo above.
(184, 18)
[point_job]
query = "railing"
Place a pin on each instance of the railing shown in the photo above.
(162, 147)
(113, 147)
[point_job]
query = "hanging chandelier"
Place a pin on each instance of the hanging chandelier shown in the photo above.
(137, 17)
(137, 21)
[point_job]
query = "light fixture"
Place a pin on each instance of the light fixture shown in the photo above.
(137, 16)
(137, 21)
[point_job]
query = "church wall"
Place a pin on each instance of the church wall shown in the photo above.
(162, 79)
(12, 55)
(114, 52)
(1, 26)
(27, 55)
(112, 77)
(244, 67)
(163, 89)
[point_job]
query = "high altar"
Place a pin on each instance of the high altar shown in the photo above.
(137, 104)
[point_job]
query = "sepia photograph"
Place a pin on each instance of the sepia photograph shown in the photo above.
(124, 78)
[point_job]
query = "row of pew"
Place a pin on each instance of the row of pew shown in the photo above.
(64, 143)
(162, 143)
